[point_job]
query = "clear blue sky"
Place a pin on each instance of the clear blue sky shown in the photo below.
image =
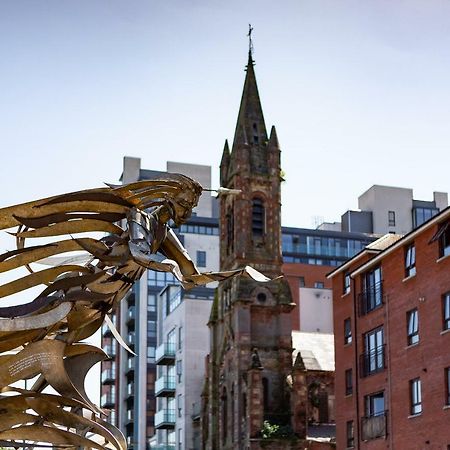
(359, 92)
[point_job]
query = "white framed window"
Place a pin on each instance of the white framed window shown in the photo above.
(415, 396)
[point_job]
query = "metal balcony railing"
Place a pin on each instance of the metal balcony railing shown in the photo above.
(370, 299)
(374, 427)
(165, 353)
(373, 361)
(108, 400)
(165, 419)
(165, 386)
(109, 376)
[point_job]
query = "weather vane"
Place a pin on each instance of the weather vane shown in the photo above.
(250, 42)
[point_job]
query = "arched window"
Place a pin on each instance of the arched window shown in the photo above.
(258, 217)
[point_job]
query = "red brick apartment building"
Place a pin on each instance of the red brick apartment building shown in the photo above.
(392, 342)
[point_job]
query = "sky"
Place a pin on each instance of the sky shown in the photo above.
(359, 91)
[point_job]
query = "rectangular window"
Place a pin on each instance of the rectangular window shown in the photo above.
(347, 283)
(301, 281)
(151, 354)
(349, 382)
(371, 297)
(415, 396)
(350, 434)
(151, 302)
(319, 285)
(374, 404)
(171, 338)
(373, 358)
(201, 258)
(348, 331)
(446, 311)
(151, 328)
(410, 260)
(412, 318)
(391, 218)
(447, 386)
(443, 237)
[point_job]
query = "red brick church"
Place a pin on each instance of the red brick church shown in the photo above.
(254, 396)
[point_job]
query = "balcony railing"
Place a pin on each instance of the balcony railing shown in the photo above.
(373, 361)
(109, 376)
(165, 386)
(165, 353)
(131, 338)
(370, 299)
(131, 364)
(165, 419)
(374, 427)
(108, 400)
(130, 389)
(130, 416)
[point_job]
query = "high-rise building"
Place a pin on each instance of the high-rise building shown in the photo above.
(392, 337)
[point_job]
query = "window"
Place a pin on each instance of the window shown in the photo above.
(171, 341)
(371, 297)
(391, 218)
(443, 237)
(421, 215)
(347, 283)
(410, 261)
(373, 358)
(230, 230)
(447, 386)
(301, 281)
(350, 434)
(151, 354)
(151, 302)
(151, 329)
(319, 285)
(201, 258)
(179, 370)
(258, 218)
(413, 326)
(415, 396)
(349, 382)
(347, 331)
(255, 133)
(446, 311)
(374, 404)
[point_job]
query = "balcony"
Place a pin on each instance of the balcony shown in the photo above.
(131, 338)
(131, 314)
(108, 400)
(131, 364)
(165, 386)
(165, 419)
(165, 354)
(130, 390)
(110, 350)
(374, 427)
(130, 416)
(373, 361)
(109, 376)
(370, 299)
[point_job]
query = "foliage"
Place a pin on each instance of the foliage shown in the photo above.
(274, 431)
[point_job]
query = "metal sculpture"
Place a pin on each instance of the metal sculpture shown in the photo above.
(42, 338)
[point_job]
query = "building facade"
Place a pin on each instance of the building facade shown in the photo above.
(388, 209)
(392, 339)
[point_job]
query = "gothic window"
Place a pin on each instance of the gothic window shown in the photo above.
(258, 218)
(255, 134)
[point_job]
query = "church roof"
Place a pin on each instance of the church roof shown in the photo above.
(316, 349)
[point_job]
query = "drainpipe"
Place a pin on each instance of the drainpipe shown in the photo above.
(355, 315)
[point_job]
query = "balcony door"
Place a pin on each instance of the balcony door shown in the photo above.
(374, 341)
(372, 288)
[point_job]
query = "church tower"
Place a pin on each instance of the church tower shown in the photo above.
(250, 325)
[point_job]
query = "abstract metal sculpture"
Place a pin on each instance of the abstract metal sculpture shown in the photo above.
(42, 338)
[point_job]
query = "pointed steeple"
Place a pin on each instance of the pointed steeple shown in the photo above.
(250, 126)
(273, 140)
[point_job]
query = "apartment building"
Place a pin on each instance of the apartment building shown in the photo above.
(392, 338)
